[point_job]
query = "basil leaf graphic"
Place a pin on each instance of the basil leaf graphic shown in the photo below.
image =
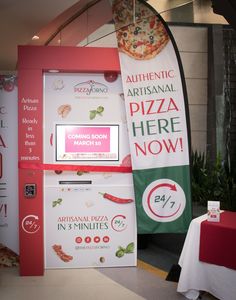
(92, 114)
(120, 253)
(100, 109)
(130, 248)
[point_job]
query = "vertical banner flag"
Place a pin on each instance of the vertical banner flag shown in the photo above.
(157, 116)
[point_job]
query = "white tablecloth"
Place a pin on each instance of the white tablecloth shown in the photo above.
(198, 276)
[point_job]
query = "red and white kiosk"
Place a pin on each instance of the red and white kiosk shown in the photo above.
(76, 201)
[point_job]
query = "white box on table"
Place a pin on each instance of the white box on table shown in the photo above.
(213, 211)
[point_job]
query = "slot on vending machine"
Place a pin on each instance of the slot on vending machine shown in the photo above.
(75, 182)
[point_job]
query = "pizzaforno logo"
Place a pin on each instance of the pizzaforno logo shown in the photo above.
(89, 88)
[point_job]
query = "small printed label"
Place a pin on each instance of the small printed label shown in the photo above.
(30, 190)
(213, 211)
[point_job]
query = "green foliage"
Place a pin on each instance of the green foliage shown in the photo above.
(213, 181)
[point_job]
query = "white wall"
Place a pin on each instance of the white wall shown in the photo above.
(192, 44)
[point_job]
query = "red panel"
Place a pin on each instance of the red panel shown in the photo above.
(32, 60)
(72, 59)
(30, 114)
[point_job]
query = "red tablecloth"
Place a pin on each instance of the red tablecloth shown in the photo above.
(218, 241)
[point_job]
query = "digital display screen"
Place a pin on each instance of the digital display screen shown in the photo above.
(75, 142)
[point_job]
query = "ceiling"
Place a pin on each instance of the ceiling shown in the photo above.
(20, 20)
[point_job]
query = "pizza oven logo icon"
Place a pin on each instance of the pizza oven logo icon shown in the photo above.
(89, 88)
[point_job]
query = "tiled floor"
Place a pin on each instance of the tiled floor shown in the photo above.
(146, 281)
(85, 284)
(142, 282)
(61, 285)
(127, 283)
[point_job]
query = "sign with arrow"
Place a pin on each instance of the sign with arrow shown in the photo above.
(164, 200)
(30, 224)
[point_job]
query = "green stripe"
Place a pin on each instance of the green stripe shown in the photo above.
(142, 178)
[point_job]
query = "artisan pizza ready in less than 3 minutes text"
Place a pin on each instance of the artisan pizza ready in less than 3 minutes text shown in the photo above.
(142, 37)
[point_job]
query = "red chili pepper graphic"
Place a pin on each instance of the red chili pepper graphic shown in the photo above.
(116, 199)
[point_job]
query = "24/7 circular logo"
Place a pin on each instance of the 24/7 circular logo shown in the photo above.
(164, 200)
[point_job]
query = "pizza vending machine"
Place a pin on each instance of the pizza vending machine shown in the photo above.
(76, 198)
(89, 208)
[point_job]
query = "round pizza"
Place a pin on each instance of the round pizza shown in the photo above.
(8, 258)
(126, 12)
(141, 36)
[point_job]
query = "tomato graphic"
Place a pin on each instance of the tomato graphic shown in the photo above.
(110, 76)
(58, 172)
(8, 86)
(126, 161)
